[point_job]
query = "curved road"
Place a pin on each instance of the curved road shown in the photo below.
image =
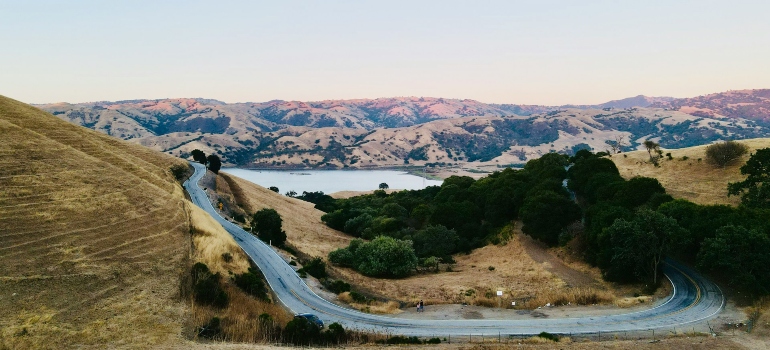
(694, 298)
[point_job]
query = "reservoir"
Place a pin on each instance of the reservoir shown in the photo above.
(330, 181)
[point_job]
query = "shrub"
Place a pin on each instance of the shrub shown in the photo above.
(316, 267)
(358, 297)
(400, 339)
(227, 257)
(251, 283)
(274, 189)
(338, 286)
(180, 171)
(210, 330)
(206, 287)
(725, 153)
(342, 257)
(300, 331)
(549, 336)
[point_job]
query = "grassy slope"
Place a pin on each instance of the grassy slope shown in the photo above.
(689, 179)
(94, 238)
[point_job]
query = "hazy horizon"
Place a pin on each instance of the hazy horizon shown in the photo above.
(537, 53)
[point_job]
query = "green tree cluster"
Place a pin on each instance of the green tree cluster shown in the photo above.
(630, 226)
(471, 211)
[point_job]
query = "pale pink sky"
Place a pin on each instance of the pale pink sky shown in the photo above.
(529, 52)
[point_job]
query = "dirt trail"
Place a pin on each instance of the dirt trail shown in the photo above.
(539, 253)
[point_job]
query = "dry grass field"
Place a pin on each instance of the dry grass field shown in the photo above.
(96, 242)
(94, 237)
(691, 179)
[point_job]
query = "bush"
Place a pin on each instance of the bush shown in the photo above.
(300, 331)
(206, 287)
(316, 267)
(274, 189)
(549, 336)
(251, 283)
(180, 171)
(725, 153)
(342, 257)
(338, 286)
(210, 330)
(400, 339)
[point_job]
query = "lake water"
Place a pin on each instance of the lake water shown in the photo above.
(330, 181)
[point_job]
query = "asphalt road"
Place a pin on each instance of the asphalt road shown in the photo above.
(694, 298)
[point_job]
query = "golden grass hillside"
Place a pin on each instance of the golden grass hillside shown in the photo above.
(689, 178)
(95, 240)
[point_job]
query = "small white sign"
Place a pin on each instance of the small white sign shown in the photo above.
(499, 293)
(513, 303)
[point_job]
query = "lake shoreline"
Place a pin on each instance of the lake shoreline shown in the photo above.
(336, 180)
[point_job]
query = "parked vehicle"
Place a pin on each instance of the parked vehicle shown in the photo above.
(312, 318)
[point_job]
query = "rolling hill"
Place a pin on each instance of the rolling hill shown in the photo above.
(96, 238)
(416, 131)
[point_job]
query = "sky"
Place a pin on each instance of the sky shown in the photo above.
(524, 52)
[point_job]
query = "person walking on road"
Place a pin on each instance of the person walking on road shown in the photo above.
(421, 307)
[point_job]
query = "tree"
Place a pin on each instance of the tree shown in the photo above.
(617, 144)
(267, 223)
(546, 214)
(639, 246)
(199, 156)
(274, 189)
(214, 163)
(755, 190)
(740, 254)
(291, 193)
(435, 241)
(384, 186)
(725, 153)
(638, 191)
(651, 147)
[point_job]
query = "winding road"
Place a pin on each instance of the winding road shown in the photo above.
(694, 298)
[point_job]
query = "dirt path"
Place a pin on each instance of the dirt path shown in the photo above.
(539, 253)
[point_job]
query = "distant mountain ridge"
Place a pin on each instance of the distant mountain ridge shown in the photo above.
(416, 130)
